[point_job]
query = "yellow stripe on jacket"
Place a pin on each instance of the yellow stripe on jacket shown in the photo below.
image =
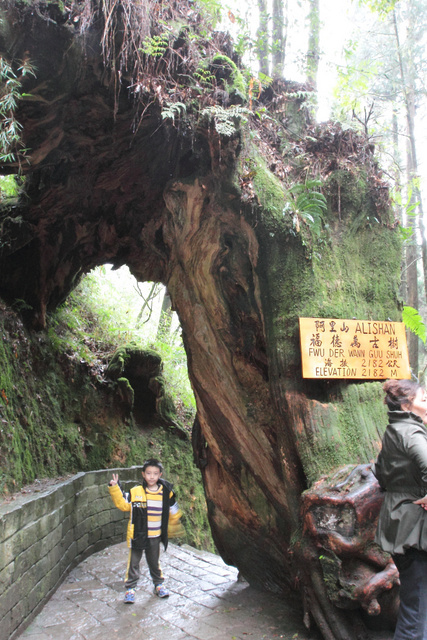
(137, 494)
(175, 528)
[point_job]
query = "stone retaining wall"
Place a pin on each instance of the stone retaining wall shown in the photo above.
(43, 536)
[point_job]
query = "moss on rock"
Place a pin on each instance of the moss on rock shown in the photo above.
(141, 385)
(347, 430)
(234, 80)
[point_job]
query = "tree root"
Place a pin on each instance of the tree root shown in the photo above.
(345, 569)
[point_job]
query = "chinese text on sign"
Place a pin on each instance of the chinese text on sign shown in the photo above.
(365, 349)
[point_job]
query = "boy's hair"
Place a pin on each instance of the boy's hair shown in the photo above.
(152, 462)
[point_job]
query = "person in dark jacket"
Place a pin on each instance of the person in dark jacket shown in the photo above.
(401, 470)
(154, 515)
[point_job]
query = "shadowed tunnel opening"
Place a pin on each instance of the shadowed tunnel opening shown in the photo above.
(145, 400)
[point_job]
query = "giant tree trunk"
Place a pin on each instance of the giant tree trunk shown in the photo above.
(204, 213)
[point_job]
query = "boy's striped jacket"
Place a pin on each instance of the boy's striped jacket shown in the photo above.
(136, 503)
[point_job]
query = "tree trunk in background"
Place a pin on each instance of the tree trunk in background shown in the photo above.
(410, 102)
(313, 50)
(148, 303)
(165, 319)
(412, 252)
(263, 40)
(279, 36)
(398, 188)
(412, 257)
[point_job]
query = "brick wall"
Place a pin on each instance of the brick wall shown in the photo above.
(44, 535)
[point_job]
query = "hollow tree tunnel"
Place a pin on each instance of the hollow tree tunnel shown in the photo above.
(109, 179)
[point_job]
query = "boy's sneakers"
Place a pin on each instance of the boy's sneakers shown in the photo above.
(129, 596)
(161, 591)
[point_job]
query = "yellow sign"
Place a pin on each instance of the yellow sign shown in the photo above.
(365, 349)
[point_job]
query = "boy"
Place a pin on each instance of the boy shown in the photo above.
(154, 513)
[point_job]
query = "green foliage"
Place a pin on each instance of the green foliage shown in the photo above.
(243, 40)
(405, 232)
(384, 69)
(93, 307)
(210, 12)
(68, 332)
(204, 76)
(38, 436)
(10, 94)
(57, 415)
(237, 82)
(382, 7)
(268, 188)
(226, 120)
(172, 110)
(414, 322)
(306, 203)
(174, 361)
(9, 187)
(299, 95)
(10, 129)
(354, 83)
(264, 79)
(408, 208)
(155, 46)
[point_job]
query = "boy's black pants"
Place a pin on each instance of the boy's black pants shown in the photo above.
(152, 554)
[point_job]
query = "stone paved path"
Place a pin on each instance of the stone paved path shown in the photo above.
(206, 603)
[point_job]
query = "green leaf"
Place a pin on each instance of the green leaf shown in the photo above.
(173, 109)
(265, 80)
(382, 7)
(405, 232)
(414, 322)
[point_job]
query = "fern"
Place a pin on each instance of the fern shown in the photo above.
(414, 322)
(10, 93)
(308, 204)
(225, 120)
(172, 110)
(299, 95)
(155, 46)
(204, 76)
